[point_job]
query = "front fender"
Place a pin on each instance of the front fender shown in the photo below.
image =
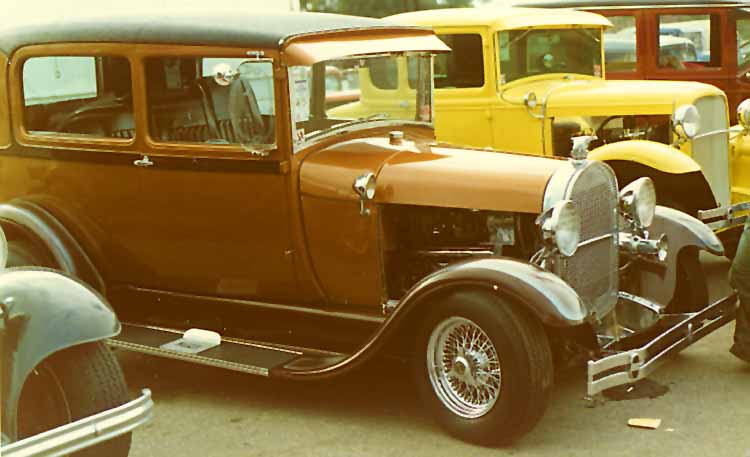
(547, 296)
(44, 312)
(683, 231)
(655, 155)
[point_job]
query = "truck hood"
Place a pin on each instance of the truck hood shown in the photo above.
(427, 174)
(598, 97)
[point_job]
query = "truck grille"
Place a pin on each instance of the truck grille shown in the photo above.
(711, 152)
(593, 270)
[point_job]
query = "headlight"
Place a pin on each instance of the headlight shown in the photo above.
(686, 121)
(638, 201)
(561, 227)
(743, 113)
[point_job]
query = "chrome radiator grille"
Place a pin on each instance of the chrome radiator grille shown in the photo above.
(593, 270)
(712, 152)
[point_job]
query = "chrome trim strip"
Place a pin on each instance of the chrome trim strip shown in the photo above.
(193, 358)
(86, 432)
(630, 366)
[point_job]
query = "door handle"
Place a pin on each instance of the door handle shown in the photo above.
(144, 162)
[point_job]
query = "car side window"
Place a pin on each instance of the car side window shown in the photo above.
(743, 42)
(689, 41)
(78, 95)
(213, 100)
(464, 67)
(620, 46)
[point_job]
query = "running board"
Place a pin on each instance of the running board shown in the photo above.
(208, 348)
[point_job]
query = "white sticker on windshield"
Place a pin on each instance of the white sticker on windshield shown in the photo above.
(300, 88)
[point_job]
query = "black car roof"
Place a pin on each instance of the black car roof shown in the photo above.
(227, 28)
(629, 3)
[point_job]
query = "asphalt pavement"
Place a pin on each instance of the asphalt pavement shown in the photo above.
(206, 412)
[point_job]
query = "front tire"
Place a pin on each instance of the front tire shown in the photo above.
(73, 384)
(483, 366)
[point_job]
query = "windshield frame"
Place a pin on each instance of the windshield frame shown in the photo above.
(403, 88)
(597, 35)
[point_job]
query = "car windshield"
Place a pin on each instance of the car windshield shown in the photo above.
(332, 95)
(545, 51)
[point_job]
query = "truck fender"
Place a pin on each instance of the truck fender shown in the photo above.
(23, 219)
(547, 296)
(654, 155)
(679, 179)
(683, 231)
(44, 312)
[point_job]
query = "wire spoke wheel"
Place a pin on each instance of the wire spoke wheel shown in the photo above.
(464, 367)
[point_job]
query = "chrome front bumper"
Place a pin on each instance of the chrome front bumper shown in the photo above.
(725, 216)
(681, 330)
(85, 432)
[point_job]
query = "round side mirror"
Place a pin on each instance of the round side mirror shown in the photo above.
(223, 73)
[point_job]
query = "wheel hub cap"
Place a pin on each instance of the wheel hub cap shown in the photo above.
(464, 367)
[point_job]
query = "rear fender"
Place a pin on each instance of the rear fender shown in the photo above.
(44, 312)
(545, 295)
(24, 219)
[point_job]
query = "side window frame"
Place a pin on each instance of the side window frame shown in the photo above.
(488, 60)
(157, 147)
(57, 140)
(715, 38)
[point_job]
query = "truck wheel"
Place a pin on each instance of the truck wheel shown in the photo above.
(70, 385)
(484, 368)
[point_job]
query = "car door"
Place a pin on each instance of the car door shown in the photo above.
(464, 87)
(214, 203)
(74, 145)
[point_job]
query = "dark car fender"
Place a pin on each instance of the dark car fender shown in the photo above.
(23, 219)
(683, 231)
(44, 312)
(547, 296)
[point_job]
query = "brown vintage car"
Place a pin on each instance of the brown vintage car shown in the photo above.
(198, 177)
(705, 40)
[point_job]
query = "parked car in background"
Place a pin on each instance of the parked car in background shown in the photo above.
(528, 80)
(62, 390)
(236, 217)
(718, 29)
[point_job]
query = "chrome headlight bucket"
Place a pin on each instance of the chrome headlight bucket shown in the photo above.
(743, 114)
(561, 228)
(686, 122)
(638, 202)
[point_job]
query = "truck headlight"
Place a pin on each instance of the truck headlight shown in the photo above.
(686, 121)
(743, 113)
(561, 227)
(638, 201)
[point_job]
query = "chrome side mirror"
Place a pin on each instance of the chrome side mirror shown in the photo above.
(224, 74)
(686, 122)
(364, 186)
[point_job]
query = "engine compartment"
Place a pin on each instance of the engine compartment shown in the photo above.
(419, 240)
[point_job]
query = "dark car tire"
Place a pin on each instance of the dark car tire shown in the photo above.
(691, 289)
(523, 355)
(70, 385)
